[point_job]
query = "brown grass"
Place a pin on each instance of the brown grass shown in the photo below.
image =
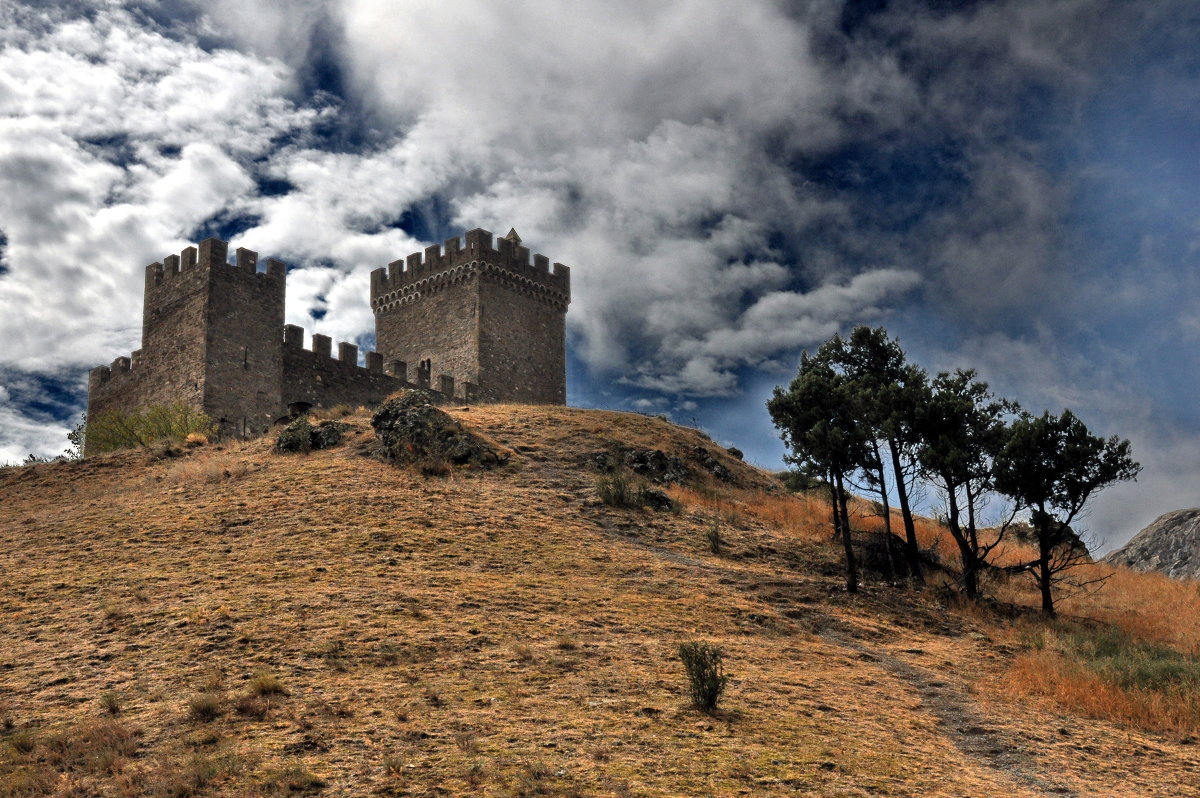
(500, 633)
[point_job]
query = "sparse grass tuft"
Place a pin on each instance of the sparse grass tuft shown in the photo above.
(204, 707)
(292, 779)
(393, 765)
(264, 684)
(706, 675)
(620, 488)
(712, 536)
(110, 702)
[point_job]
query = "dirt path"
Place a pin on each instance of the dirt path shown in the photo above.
(958, 719)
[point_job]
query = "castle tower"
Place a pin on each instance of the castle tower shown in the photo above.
(211, 339)
(485, 316)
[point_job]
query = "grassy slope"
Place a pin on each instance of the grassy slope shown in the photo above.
(495, 633)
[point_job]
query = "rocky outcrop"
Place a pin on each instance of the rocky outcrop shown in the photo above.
(1170, 545)
(409, 429)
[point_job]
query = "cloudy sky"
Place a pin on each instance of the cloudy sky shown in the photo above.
(1005, 185)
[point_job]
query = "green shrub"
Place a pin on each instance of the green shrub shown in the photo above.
(706, 676)
(295, 437)
(1132, 664)
(110, 430)
(619, 488)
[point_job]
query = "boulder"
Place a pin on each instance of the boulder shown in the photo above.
(1170, 545)
(410, 429)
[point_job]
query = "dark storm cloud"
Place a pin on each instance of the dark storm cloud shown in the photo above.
(731, 181)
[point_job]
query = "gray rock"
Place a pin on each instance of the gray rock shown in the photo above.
(1170, 545)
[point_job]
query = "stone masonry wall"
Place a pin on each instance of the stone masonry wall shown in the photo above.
(522, 346)
(244, 349)
(509, 310)
(170, 365)
(441, 327)
(318, 379)
(468, 323)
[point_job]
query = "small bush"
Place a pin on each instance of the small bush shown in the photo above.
(713, 536)
(296, 437)
(522, 652)
(204, 707)
(393, 765)
(110, 703)
(706, 676)
(195, 439)
(620, 489)
(111, 430)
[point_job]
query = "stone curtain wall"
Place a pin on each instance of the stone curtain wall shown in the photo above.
(469, 323)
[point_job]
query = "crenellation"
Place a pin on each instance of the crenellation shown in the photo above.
(397, 369)
(488, 324)
(247, 260)
(214, 252)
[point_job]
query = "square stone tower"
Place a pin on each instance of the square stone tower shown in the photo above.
(486, 316)
(211, 339)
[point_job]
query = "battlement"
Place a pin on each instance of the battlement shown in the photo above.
(212, 253)
(475, 319)
(316, 365)
(506, 261)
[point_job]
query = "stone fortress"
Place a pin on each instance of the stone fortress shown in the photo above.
(473, 323)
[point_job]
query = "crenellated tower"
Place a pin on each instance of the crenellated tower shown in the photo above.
(210, 339)
(466, 323)
(489, 316)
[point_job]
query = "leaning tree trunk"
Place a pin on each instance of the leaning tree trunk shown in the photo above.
(970, 566)
(835, 507)
(847, 542)
(1044, 573)
(887, 514)
(911, 550)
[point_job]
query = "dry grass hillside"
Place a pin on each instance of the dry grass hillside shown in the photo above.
(235, 622)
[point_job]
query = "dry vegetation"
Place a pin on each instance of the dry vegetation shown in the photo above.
(235, 622)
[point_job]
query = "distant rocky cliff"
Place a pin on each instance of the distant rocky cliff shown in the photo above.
(1170, 545)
